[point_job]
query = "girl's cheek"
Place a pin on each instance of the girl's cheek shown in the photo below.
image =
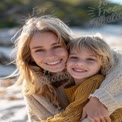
(69, 62)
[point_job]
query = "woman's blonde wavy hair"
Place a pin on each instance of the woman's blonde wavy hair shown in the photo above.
(28, 71)
(96, 45)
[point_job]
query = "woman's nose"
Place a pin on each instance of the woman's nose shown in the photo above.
(49, 54)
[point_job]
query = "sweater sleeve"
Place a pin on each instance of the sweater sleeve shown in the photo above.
(39, 108)
(110, 91)
(73, 111)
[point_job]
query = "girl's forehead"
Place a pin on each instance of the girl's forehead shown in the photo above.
(83, 51)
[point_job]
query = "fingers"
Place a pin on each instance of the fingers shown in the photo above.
(83, 114)
(99, 119)
(94, 120)
(102, 119)
(91, 120)
(85, 120)
(95, 111)
(108, 119)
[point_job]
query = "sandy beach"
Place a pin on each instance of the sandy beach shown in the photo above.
(12, 106)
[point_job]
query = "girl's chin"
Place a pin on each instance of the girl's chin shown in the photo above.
(76, 76)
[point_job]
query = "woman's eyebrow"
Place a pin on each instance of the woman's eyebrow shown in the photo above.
(37, 47)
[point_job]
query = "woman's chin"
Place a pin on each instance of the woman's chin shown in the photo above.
(56, 69)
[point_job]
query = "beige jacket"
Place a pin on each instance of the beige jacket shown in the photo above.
(109, 93)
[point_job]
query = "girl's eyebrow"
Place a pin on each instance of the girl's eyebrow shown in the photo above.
(57, 43)
(93, 56)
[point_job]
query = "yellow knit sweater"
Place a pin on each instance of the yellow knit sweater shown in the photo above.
(78, 97)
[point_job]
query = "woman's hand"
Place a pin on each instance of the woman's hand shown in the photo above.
(95, 111)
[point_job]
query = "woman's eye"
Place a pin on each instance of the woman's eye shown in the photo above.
(73, 57)
(39, 50)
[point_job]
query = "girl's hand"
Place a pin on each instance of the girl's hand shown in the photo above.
(95, 111)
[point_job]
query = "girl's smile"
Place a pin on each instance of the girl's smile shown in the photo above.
(82, 65)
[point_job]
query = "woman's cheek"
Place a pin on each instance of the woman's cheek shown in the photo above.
(62, 51)
(38, 57)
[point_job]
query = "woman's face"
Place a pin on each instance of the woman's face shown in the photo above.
(48, 52)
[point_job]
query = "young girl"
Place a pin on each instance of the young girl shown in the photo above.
(42, 53)
(90, 59)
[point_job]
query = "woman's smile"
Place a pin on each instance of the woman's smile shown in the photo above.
(48, 51)
(53, 63)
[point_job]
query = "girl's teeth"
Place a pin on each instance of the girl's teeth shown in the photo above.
(78, 70)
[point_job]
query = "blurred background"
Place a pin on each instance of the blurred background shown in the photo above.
(82, 16)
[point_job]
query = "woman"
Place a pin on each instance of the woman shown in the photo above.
(41, 57)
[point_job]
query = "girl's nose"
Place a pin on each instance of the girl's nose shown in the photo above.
(80, 63)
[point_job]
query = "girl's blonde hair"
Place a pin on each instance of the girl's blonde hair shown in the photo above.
(96, 45)
(28, 70)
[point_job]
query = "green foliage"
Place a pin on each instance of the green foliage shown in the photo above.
(72, 12)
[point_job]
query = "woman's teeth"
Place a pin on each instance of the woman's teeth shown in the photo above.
(53, 63)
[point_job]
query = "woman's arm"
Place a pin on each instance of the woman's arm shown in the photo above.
(39, 108)
(80, 94)
(110, 91)
(95, 111)
(109, 94)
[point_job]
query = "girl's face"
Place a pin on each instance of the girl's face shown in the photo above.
(82, 65)
(48, 52)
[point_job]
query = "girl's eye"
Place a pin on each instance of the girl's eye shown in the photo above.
(91, 59)
(58, 46)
